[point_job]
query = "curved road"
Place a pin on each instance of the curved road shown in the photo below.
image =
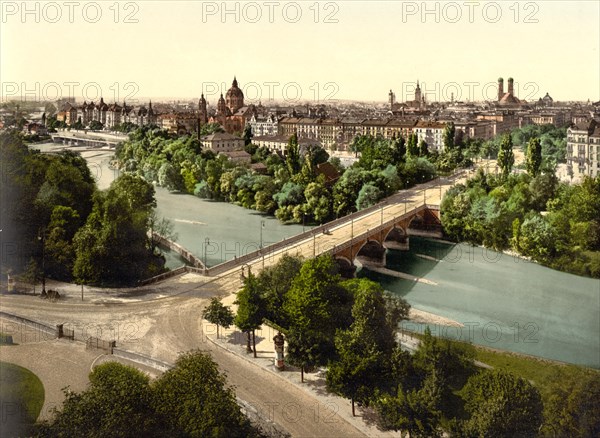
(164, 327)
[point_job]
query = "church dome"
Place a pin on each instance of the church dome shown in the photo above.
(234, 91)
(234, 97)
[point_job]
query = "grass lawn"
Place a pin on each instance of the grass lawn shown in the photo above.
(544, 374)
(21, 398)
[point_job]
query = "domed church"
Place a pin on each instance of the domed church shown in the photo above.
(231, 112)
(234, 99)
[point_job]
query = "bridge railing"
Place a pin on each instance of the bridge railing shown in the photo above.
(291, 241)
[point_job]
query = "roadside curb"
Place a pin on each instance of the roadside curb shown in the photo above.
(343, 406)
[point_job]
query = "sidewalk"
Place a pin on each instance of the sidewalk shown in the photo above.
(314, 384)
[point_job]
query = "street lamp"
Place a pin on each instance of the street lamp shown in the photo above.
(206, 243)
(43, 239)
(262, 225)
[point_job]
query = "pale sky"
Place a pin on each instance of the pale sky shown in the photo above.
(299, 50)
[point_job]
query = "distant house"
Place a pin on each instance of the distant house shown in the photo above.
(238, 157)
(35, 128)
(329, 171)
(260, 168)
(222, 142)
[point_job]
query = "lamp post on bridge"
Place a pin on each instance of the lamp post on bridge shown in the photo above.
(43, 239)
(206, 243)
(262, 225)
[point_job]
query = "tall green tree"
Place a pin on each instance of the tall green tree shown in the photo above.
(448, 136)
(275, 282)
(251, 309)
(192, 400)
(292, 158)
(113, 247)
(412, 145)
(534, 157)
(506, 157)
(316, 306)
(423, 148)
(365, 349)
(416, 411)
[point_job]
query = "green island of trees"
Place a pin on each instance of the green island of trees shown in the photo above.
(291, 188)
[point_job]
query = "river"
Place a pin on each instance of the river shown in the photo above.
(504, 302)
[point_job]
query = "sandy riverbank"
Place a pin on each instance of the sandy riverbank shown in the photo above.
(422, 317)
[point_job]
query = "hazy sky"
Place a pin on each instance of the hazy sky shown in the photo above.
(299, 50)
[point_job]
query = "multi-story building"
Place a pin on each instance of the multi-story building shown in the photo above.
(279, 143)
(67, 114)
(432, 133)
(505, 121)
(583, 149)
(483, 129)
(264, 126)
(222, 142)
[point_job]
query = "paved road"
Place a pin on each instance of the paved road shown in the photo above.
(164, 327)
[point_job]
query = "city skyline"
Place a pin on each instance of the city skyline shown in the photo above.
(296, 52)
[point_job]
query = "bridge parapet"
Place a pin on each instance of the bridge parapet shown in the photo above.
(295, 240)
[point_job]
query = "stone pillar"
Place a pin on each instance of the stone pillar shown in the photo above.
(279, 341)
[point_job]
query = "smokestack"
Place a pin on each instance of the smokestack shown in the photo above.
(500, 88)
(510, 85)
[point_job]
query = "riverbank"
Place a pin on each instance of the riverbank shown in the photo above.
(423, 317)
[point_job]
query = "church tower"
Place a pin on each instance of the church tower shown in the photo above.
(391, 99)
(418, 97)
(221, 107)
(203, 113)
(500, 88)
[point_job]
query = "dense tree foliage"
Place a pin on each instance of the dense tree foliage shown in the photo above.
(364, 350)
(501, 405)
(573, 407)
(292, 188)
(118, 402)
(316, 306)
(189, 400)
(113, 246)
(421, 385)
(275, 282)
(555, 224)
(58, 220)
